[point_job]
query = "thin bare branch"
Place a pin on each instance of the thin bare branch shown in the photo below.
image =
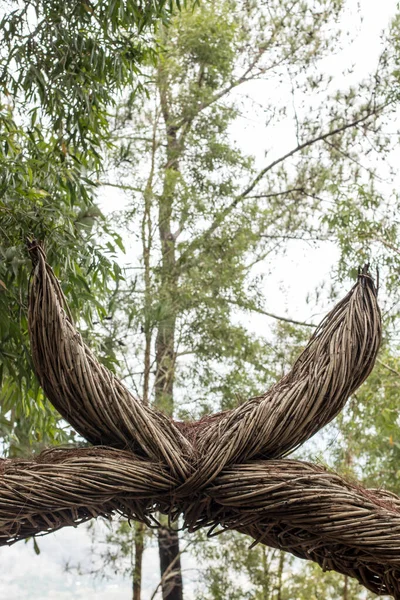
(304, 145)
(120, 186)
(219, 219)
(257, 309)
(388, 367)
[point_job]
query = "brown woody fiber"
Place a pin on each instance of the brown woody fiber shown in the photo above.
(225, 471)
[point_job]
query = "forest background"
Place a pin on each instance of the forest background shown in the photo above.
(207, 179)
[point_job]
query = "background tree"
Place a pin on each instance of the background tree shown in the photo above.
(69, 60)
(60, 68)
(43, 194)
(203, 214)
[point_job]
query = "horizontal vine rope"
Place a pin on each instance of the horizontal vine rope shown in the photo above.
(225, 471)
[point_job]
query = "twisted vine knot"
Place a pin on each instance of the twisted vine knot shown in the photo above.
(227, 470)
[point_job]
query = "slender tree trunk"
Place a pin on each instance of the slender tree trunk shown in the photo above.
(280, 574)
(168, 539)
(348, 459)
(147, 239)
(265, 582)
(140, 529)
(168, 545)
(137, 571)
(346, 588)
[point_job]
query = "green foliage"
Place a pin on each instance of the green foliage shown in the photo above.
(43, 195)
(202, 212)
(234, 571)
(370, 428)
(69, 59)
(206, 218)
(311, 583)
(112, 550)
(61, 65)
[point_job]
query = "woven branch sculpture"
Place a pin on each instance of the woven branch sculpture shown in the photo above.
(224, 471)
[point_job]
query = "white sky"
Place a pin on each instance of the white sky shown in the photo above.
(24, 574)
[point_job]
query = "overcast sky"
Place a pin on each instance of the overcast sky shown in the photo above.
(26, 575)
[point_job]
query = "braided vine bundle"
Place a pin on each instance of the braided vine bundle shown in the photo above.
(226, 471)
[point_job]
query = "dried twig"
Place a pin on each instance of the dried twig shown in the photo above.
(224, 471)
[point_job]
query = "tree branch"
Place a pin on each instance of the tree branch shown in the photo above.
(389, 368)
(218, 220)
(254, 308)
(120, 186)
(306, 144)
(170, 571)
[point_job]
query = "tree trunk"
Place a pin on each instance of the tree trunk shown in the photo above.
(140, 528)
(280, 574)
(168, 539)
(170, 564)
(265, 581)
(346, 588)
(137, 572)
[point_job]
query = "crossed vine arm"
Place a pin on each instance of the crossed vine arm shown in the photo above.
(225, 471)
